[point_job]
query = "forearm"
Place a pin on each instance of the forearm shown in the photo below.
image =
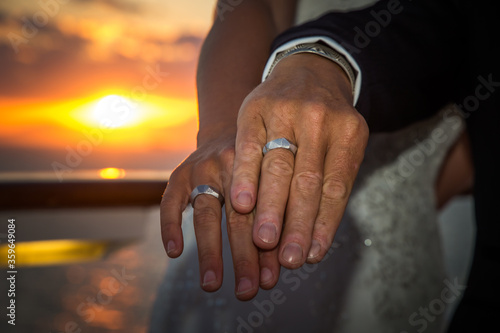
(233, 58)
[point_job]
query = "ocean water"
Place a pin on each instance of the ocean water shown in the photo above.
(107, 280)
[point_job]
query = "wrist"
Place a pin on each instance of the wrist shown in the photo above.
(320, 49)
(215, 132)
(303, 67)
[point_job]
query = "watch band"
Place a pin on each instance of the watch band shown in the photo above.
(318, 49)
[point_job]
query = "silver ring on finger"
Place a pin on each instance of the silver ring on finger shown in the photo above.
(206, 189)
(279, 143)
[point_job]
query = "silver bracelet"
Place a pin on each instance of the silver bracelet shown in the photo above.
(321, 50)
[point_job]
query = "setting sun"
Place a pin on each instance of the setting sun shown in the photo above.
(111, 173)
(114, 111)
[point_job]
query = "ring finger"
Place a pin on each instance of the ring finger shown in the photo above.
(207, 225)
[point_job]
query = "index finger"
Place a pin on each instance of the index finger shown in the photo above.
(174, 201)
(250, 139)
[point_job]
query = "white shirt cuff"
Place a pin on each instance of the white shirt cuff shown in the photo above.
(331, 43)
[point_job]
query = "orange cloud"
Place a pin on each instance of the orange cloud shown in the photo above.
(89, 49)
(53, 125)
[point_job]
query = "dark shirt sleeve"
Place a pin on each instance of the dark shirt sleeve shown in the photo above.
(406, 52)
(416, 56)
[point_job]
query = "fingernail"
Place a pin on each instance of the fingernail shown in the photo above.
(244, 198)
(209, 278)
(267, 232)
(170, 247)
(315, 249)
(244, 286)
(266, 275)
(292, 253)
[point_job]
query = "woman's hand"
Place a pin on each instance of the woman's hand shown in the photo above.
(212, 164)
(299, 199)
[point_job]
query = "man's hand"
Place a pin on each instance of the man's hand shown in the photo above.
(299, 200)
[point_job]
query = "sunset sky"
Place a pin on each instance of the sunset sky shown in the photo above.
(111, 80)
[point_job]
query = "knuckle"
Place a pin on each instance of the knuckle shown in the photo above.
(205, 216)
(164, 204)
(238, 223)
(165, 197)
(180, 173)
(279, 166)
(177, 172)
(169, 230)
(263, 99)
(227, 153)
(242, 264)
(324, 230)
(317, 111)
(273, 107)
(301, 229)
(255, 99)
(322, 226)
(354, 127)
(169, 202)
(253, 105)
(335, 190)
(249, 148)
(207, 165)
(308, 181)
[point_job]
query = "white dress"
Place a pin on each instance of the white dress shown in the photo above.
(383, 274)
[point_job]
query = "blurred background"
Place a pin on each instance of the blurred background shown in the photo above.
(70, 68)
(97, 106)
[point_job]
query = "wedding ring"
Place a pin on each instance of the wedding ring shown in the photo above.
(279, 143)
(206, 189)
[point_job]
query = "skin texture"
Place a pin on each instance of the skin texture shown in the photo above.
(308, 100)
(228, 71)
